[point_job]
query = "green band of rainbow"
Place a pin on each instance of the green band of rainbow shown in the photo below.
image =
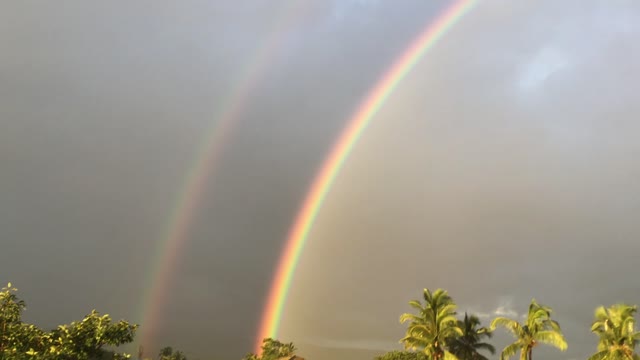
(334, 161)
(199, 178)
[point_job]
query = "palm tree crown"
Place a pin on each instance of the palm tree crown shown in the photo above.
(435, 324)
(466, 347)
(537, 329)
(615, 327)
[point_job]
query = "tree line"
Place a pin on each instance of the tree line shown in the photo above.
(92, 338)
(434, 332)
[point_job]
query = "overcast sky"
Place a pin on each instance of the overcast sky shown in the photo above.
(504, 167)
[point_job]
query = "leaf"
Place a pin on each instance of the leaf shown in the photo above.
(509, 324)
(510, 350)
(553, 338)
(449, 356)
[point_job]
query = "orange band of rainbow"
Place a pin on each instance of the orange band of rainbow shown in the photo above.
(333, 163)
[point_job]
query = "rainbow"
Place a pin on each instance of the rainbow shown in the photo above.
(335, 160)
(175, 236)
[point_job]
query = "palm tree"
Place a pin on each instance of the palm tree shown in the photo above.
(538, 329)
(466, 347)
(615, 327)
(434, 325)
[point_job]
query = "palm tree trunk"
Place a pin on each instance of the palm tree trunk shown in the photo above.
(529, 352)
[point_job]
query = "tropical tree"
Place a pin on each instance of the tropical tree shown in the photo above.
(272, 350)
(537, 329)
(167, 353)
(615, 327)
(89, 337)
(433, 327)
(81, 340)
(10, 315)
(467, 346)
(402, 355)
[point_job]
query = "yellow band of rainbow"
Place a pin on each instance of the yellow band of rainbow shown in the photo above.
(375, 99)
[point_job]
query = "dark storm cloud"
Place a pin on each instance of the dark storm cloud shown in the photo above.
(103, 109)
(518, 129)
(502, 170)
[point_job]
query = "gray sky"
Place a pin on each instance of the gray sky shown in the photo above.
(501, 169)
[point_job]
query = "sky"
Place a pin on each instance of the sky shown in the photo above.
(501, 169)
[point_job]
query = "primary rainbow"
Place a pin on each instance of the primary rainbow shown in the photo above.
(335, 160)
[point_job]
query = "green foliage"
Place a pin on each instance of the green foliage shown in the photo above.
(273, 350)
(82, 340)
(402, 355)
(615, 328)
(433, 327)
(86, 339)
(538, 329)
(467, 346)
(10, 319)
(167, 353)
(433, 333)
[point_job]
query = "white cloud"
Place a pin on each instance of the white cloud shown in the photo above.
(504, 308)
(544, 64)
(504, 311)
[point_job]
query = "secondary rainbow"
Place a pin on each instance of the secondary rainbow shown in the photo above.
(322, 183)
(199, 177)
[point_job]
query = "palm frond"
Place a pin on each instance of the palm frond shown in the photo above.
(449, 320)
(408, 316)
(602, 355)
(513, 326)
(416, 304)
(449, 356)
(426, 294)
(510, 350)
(486, 346)
(552, 338)
(447, 309)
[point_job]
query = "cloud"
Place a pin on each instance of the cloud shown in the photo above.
(544, 64)
(504, 308)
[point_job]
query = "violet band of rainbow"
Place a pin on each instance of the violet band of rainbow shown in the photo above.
(336, 158)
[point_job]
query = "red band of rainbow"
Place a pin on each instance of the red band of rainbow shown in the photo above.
(201, 173)
(335, 160)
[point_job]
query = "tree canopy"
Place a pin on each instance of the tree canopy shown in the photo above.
(470, 343)
(402, 355)
(434, 326)
(434, 332)
(82, 340)
(615, 327)
(538, 328)
(273, 350)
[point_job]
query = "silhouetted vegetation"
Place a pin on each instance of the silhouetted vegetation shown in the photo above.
(434, 332)
(273, 350)
(167, 353)
(86, 339)
(402, 355)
